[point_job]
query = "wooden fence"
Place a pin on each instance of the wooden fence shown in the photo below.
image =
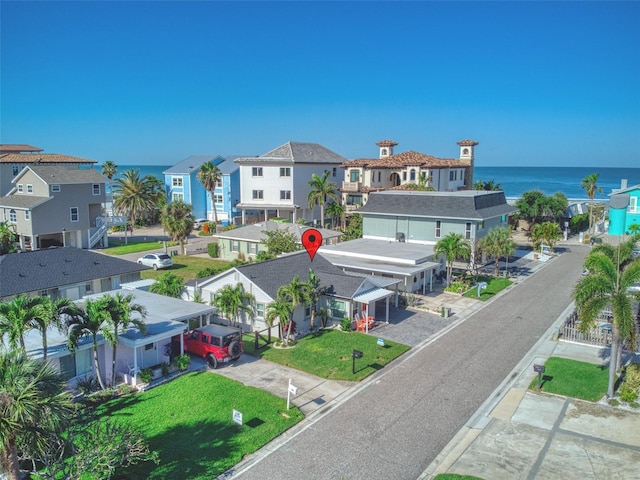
(600, 336)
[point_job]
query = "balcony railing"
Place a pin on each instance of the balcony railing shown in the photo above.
(351, 208)
(351, 186)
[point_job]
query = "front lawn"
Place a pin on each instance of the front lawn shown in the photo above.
(328, 354)
(571, 378)
(188, 267)
(494, 285)
(188, 421)
(120, 248)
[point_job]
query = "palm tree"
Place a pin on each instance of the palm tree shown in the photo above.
(612, 271)
(232, 301)
(547, 232)
(209, 175)
(452, 246)
(134, 196)
(497, 244)
(170, 285)
(92, 321)
(177, 220)
(51, 314)
(280, 310)
(336, 212)
(119, 309)
(33, 406)
(17, 316)
(297, 293)
(321, 188)
(313, 293)
(109, 169)
(590, 187)
(8, 237)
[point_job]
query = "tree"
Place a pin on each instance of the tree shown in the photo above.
(452, 246)
(491, 185)
(177, 220)
(92, 321)
(209, 175)
(280, 241)
(33, 405)
(134, 196)
(535, 207)
(232, 301)
(612, 271)
(119, 309)
(109, 169)
(321, 188)
(8, 237)
(168, 284)
(336, 213)
(589, 183)
(354, 229)
(52, 313)
(280, 310)
(297, 293)
(497, 244)
(314, 291)
(546, 232)
(17, 316)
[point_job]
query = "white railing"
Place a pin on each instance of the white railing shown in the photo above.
(97, 235)
(351, 186)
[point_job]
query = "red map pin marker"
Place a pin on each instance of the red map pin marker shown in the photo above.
(311, 239)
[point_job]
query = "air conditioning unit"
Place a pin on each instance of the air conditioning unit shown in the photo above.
(399, 237)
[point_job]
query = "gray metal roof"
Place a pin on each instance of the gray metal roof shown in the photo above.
(55, 267)
(625, 190)
(465, 204)
(255, 232)
(229, 166)
(194, 162)
(54, 174)
(297, 152)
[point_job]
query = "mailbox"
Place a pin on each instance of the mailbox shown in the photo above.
(538, 368)
(357, 354)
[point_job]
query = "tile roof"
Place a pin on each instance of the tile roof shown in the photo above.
(406, 159)
(194, 162)
(386, 143)
(468, 143)
(465, 204)
(42, 158)
(55, 267)
(17, 148)
(63, 175)
(297, 152)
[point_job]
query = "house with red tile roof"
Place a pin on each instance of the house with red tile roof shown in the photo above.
(400, 171)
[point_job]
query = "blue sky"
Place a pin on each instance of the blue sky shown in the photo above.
(536, 83)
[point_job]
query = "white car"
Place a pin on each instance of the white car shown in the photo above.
(156, 260)
(199, 222)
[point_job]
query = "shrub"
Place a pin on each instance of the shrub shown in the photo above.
(458, 286)
(632, 376)
(212, 249)
(165, 368)
(182, 362)
(87, 385)
(345, 324)
(628, 394)
(613, 402)
(145, 375)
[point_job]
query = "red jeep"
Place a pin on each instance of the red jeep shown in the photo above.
(216, 343)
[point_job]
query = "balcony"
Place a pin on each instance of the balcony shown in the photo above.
(351, 186)
(351, 208)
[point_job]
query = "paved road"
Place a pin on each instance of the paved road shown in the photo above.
(395, 424)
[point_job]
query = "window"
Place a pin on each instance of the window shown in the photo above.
(256, 171)
(465, 151)
(150, 346)
(633, 205)
(333, 172)
(55, 188)
(404, 176)
(337, 309)
(235, 245)
(354, 200)
(15, 170)
(257, 194)
(383, 151)
(307, 311)
(452, 175)
(76, 364)
(379, 176)
(29, 188)
(467, 230)
(176, 181)
(96, 188)
(27, 214)
(177, 196)
(74, 214)
(285, 194)
(13, 217)
(285, 171)
(355, 175)
(412, 175)
(252, 248)
(260, 310)
(217, 198)
(20, 188)
(438, 228)
(218, 184)
(87, 287)
(480, 225)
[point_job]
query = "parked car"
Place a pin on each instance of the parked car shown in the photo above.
(215, 343)
(199, 222)
(156, 260)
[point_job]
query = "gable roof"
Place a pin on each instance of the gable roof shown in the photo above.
(465, 204)
(229, 166)
(625, 190)
(192, 163)
(42, 158)
(22, 202)
(62, 175)
(55, 267)
(255, 232)
(297, 152)
(270, 275)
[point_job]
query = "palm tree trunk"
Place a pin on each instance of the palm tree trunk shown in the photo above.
(9, 460)
(312, 320)
(615, 345)
(97, 365)
(215, 211)
(322, 215)
(113, 361)
(44, 344)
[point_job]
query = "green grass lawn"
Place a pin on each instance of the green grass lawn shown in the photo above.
(575, 379)
(494, 285)
(119, 248)
(455, 476)
(188, 421)
(328, 354)
(187, 267)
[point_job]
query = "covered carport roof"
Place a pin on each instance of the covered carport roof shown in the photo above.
(373, 295)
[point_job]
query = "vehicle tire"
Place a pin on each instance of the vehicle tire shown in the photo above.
(212, 362)
(235, 350)
(139, 262)
(155, 266)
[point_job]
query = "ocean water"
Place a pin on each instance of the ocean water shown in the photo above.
(549, 180)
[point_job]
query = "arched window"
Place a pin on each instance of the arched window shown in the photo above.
(412, 175)
(465, 151)
(13, 217)
(384, 151)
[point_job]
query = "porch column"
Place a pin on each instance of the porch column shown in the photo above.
(424, 282)
(396, 302)
(244, 216)
(266, 214)
(387, 310)
(181, 344)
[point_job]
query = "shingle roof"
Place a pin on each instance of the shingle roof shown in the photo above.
(466, 204)
(24, 202)
(297, 152)
(255, 232)
(406, 159)
(42, 158)
(229, 166)
(58, 174)
(55, 267)
(270, 275)
(619, 200)
(194, 162)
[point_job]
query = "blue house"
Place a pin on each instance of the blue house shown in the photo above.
(624, 209)
(181, 183)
